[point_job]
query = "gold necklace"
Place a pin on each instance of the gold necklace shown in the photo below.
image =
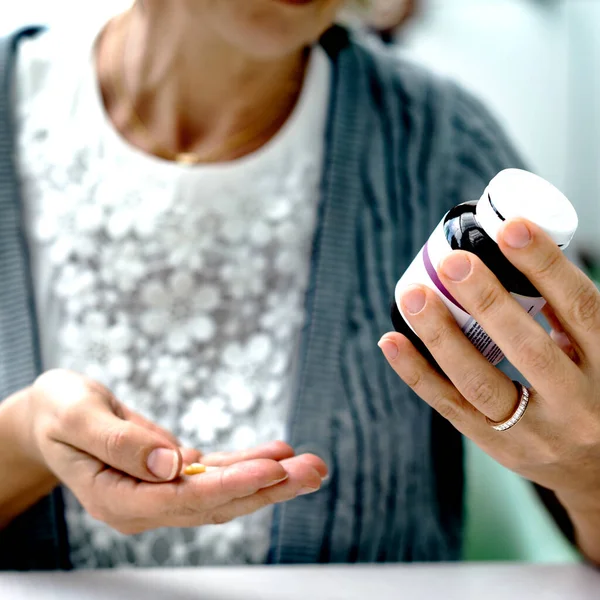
(235, 142)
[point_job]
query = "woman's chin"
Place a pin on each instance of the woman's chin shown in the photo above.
(275, 28)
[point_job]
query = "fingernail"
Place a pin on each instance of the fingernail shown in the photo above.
(414, 300)
(163, 463)
(276, 481)
(456, 267)
(517, 235)
(389, 349)
(561, 339)
(307, 490)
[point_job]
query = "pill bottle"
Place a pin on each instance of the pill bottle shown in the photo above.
(473, 226)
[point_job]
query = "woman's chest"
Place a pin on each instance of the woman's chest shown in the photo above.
(173, 290)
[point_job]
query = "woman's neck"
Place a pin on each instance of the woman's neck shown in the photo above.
(171, 85)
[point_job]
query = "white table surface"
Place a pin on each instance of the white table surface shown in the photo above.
(444, 582)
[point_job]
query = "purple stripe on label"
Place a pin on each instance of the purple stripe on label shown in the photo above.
(436, 280)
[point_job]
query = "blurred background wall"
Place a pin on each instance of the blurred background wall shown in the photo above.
(536, 63)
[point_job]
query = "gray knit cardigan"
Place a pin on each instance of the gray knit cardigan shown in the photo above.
(401, 148)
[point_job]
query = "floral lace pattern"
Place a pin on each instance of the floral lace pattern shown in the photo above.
(182, 290)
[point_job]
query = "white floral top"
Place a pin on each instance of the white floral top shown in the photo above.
(180, 288)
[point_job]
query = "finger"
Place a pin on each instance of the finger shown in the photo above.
(84, 418)
(188, 496)
(75, 468)
(524, 342)
(273, 450)
(562, 340)
(429, 384)
(559, 336)
(121, 444)
(190, 455)
(551, 318)
(214, 489)
(313, 461)
(134, 505)
(573, 296)
(303, 479)
(138, 419)
(129, 448)
(484, 386)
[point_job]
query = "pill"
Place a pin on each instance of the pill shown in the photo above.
(195, 469)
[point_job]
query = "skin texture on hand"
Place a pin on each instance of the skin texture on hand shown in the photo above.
(24, 477)
(126, 471)
(557, 443)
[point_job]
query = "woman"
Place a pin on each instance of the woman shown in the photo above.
(216, 208)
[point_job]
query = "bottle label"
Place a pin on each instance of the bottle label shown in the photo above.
(423, 271)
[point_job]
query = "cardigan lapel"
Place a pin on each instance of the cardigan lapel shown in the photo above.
(299, 526)
(36, 539)
(19, 349)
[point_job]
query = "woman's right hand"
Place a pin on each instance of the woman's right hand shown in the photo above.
(126, 471)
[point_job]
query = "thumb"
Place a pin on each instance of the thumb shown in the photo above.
(88, 419)
(131, 448)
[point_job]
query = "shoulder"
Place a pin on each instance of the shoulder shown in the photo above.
(44, 57)
(388, 72)
(29, 54)
(48, 70)
(413, 87)
(33, 58)
(450, 130)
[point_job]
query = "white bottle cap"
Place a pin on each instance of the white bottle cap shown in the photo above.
(514, 193)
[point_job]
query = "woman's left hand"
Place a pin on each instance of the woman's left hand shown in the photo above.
(557, 442)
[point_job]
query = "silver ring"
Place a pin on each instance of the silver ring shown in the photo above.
(519, 411)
